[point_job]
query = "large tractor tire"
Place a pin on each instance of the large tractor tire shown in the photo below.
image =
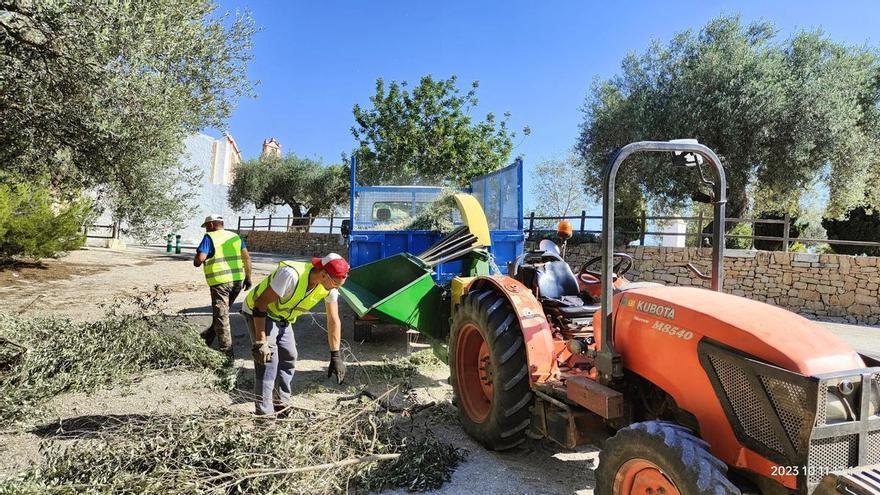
(489, 373)
(660, 458)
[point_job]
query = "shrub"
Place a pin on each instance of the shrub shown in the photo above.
(858, 225)
(32, 225)
(774, 230)
(739, 243)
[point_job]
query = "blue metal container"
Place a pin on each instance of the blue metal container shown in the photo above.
(500, 193)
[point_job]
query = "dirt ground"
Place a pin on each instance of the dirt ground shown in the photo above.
(79, 284)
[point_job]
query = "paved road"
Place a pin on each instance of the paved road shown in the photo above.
(865, 339)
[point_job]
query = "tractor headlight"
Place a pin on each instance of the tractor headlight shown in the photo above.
(835, 409)
(842, 402)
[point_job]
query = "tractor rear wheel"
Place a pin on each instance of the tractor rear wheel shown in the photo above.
(657, 457)
(488, 370)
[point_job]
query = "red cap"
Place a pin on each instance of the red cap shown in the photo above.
(334, 264)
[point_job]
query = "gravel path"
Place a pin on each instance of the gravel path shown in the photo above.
(80, 283)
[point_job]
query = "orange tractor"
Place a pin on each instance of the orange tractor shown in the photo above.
(687, 390)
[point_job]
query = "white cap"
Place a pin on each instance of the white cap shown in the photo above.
(213, 217)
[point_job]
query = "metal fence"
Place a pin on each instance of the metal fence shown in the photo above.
(532, 226)
(110, 231)
(289, 223)
(579, 223)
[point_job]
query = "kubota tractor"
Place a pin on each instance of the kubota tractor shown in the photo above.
(688, 391)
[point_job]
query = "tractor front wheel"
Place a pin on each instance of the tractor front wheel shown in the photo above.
(660, 458)
(489, 373)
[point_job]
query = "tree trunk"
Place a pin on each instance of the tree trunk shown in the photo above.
(737, 207)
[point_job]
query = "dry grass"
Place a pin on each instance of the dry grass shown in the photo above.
(354, 448)
(43, 357)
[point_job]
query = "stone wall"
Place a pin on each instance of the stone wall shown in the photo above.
(830, 286)
(298, 243)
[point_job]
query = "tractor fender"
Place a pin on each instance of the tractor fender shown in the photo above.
(537, 334)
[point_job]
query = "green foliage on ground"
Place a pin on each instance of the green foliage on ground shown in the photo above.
(427, 135)
(41, 357)
(307, 186)
(221, 451)
(33, 225)
(777, 110)
(100, 96)
(859, 224)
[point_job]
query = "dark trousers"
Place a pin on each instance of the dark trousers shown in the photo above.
(222, 297)
(273, 379)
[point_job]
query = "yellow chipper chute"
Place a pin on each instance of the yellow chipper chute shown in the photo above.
(400, 289)
(473, 235)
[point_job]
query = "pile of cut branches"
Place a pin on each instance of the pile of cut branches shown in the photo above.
(437, 216)
(42, 357)
(356, 447)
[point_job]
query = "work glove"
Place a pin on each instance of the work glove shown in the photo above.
(337, 365)
(246, 285)
(262, 352)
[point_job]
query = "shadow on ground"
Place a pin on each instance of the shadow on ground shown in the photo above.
(82, 427)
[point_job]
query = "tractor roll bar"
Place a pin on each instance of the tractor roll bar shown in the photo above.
(608, 361)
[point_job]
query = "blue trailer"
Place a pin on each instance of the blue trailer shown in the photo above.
(500, 193)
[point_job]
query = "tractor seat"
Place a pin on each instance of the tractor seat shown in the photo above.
(559, 292)
(568, 307)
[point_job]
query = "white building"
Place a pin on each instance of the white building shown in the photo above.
(216, 159)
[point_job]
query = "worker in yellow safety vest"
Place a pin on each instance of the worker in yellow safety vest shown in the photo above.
(227, 266)
(292, 289)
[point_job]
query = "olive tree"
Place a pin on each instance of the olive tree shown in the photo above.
(780, 113)
(428, 135)
(99, 96)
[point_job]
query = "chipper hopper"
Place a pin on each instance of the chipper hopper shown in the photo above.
(689, 391)
(400, 289)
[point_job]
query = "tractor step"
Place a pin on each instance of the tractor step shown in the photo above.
(567, 426)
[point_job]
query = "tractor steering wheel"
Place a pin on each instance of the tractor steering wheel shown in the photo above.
(622, 263)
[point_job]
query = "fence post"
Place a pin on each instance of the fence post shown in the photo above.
(239, 223)
(270, 223)
(785, 232)
(583, 220)
(643, 227)
(531, 223)
(700, 229)
(113, 231)
(331, 223)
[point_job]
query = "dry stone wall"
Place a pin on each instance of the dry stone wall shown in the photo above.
(830, 286)
(298, 243)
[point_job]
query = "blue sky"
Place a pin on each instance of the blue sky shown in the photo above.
(315, 60)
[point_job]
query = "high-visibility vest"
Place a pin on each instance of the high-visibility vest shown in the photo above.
(225, 265)
(301, 300)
